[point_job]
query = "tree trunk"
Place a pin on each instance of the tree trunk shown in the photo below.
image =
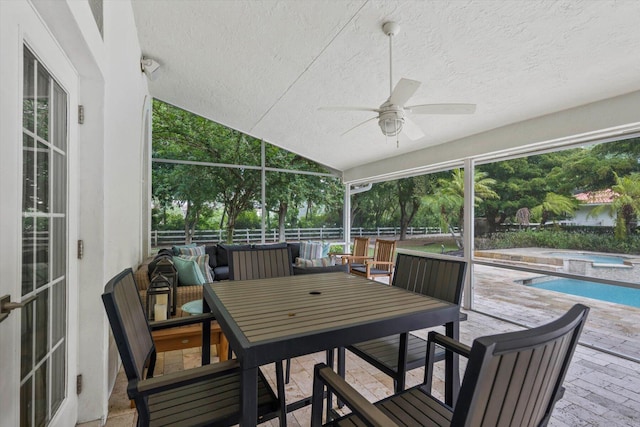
(187, 225)
(282, 217)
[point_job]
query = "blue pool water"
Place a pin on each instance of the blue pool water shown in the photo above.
(610, 293)
(601, 259)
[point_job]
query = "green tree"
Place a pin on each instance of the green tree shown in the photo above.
(522, 183)
(180, 135)
(448, 200)
(376, 207)
(554, 205)
(626, 204)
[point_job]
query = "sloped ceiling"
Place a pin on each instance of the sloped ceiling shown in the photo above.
(265, 67)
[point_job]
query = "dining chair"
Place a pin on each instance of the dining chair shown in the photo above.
(512, 379)
(359, 253)
(262, 263)
(396, 355)
(381, 265)
(206, 395)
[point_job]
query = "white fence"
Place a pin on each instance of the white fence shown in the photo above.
(165, 238)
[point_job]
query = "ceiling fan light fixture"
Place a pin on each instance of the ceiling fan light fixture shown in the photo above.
(391, 123)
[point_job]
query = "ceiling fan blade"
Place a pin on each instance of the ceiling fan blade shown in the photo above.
(442, 109)
(375, 110)
(358, 125)
(403, 91)
(412, 130)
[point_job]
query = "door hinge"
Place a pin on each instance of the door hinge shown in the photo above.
(81, 114)
(80, 249)
(79, 384)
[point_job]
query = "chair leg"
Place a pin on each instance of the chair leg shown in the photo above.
(330, 358)
(402, 363)
(342, 361)
(281, 396)
(287, 372)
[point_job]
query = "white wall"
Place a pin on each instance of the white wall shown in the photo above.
(582, 216)
(113, 91)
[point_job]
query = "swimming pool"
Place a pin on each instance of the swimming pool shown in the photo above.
(599, 259)
(610, 293)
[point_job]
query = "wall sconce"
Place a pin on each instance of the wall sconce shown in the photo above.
(150, 67)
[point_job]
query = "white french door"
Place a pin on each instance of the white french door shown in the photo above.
(39, 88)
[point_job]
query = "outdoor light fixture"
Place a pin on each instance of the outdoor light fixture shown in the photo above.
(391, 122)
(149, 67)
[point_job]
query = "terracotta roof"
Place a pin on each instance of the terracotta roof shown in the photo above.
(596, 197)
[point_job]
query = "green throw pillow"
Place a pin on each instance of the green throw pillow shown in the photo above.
(203, 265)
(176, 249)
(188, 272)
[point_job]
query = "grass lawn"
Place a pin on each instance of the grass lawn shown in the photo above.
(431, 245)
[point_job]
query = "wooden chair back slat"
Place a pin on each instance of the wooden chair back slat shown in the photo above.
(438, 278)
(360, 246)
(383, 251)
(514, 379)
(263, 263)
(129, 324)
(511, 380)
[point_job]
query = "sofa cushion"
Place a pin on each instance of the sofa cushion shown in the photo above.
(176, 251)
(189, 272)
(280, 245)
(315, 270)
(191, 250)
(221, 272)
(203, 265)
(222, 256)
(212, 251)
(295, 250)
(310, 250)
(318, 262)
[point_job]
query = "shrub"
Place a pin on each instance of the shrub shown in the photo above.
(559, 239)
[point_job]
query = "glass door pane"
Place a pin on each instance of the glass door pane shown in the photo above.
(44, 243)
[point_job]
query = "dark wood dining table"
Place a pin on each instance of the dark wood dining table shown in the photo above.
(270, 320)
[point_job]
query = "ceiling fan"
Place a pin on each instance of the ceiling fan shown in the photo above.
(393, 113)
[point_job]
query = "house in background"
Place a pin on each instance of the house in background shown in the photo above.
(588, 201)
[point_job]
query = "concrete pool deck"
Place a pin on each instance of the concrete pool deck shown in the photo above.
(611, 327)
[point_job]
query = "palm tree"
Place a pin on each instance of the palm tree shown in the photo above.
(626, 204)
(448, 201)
(555, 204)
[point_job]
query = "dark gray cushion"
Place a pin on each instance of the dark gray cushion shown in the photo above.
(221, 272)
(316, 270)
(222, 256)
(280, 245)
(212, 251)
(295, 250)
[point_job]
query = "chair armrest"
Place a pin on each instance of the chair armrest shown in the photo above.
(372, 261)
(358, 257)
(180, 321)
(449, 343)
(181, 378)
(325, 376)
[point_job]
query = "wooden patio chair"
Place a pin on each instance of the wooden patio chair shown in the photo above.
(511, 379)
(263, 263)
(206, 395)
(396, 355)
(381, 264)
(358, 254)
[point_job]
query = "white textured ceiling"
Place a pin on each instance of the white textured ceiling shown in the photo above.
(265, 67)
